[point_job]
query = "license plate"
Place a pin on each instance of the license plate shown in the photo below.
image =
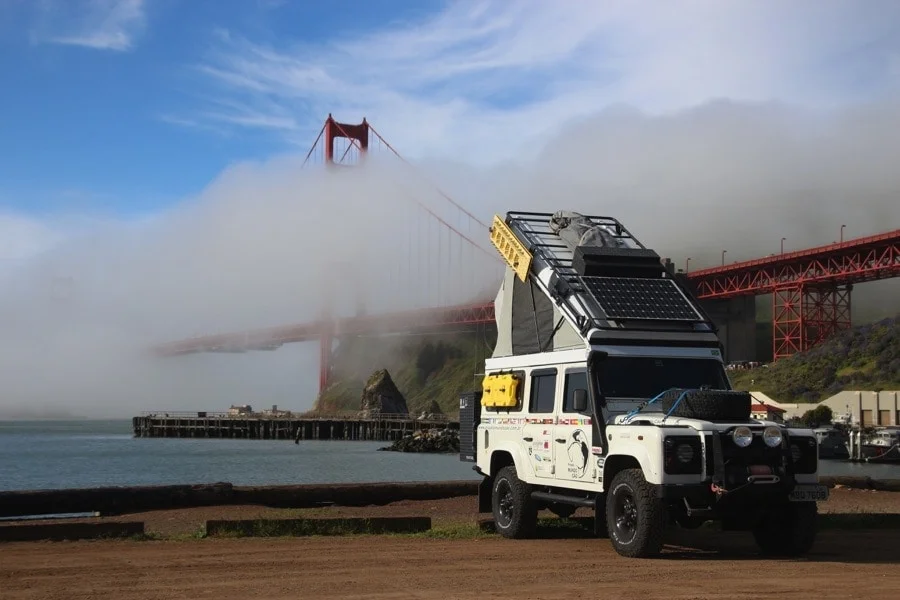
(809, 493)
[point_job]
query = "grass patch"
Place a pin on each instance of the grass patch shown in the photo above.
(455, 531)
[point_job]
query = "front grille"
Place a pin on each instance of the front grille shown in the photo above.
(804, 454)
(732, 467)
(710, 461)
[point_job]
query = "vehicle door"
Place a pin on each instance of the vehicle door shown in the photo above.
(572, 432)
(537, 433)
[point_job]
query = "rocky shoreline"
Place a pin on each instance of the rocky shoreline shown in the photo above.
(428, 440)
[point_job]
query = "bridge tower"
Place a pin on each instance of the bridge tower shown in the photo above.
(805, 315)
(357, 137)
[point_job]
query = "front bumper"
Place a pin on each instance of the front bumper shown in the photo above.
(757, 474)
(702, 494)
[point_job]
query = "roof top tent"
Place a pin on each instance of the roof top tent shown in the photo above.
(575, 281)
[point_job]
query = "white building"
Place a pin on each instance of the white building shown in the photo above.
(865, 408)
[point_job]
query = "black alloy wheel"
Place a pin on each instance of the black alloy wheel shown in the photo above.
(635, 517)
(515, 513)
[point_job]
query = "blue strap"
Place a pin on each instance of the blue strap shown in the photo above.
(651, 401)
(677, 402)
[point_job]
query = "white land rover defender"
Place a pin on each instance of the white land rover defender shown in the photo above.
(607, 390)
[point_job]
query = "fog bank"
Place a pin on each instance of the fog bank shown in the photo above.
(268, 244)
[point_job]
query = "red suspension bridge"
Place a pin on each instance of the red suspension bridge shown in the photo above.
(445, 256)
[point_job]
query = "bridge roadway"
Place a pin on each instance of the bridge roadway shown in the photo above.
(408, 321)
(795, 278)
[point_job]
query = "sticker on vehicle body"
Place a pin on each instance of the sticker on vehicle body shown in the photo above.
(577, 452)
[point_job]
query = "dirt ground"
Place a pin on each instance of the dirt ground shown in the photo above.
(843, 565)
(696, 565)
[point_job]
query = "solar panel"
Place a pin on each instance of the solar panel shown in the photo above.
(640, 298)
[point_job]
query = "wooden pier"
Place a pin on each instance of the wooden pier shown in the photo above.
(380, 428)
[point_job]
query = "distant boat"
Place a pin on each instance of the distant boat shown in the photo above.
(883, 446)
(832, 443)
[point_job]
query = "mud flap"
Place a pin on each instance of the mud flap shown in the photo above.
(484, 495)
(600, 528)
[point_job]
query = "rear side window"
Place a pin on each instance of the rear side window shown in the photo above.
(543, 391)
(575, 380)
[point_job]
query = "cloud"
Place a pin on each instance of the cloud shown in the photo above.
(96, 24)
(23, 237)
(494, 80)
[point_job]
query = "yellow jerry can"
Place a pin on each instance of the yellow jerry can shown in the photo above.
(500, 390)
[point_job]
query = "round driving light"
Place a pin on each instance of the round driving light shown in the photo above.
(742, 436)
(685, 453)
(772, 437)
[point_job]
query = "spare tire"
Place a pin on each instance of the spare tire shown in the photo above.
(707, 405)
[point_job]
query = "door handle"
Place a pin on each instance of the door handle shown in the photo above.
(561, 440)
(528, 439)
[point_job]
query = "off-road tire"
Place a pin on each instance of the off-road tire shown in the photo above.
(707, 405)
(635, 517)
(788, 530)
(515, 513)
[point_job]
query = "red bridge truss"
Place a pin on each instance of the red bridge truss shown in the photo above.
(810, 288)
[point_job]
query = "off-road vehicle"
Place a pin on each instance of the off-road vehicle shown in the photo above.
(607, 390)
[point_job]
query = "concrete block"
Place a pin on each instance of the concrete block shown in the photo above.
(315, 526)
(69, 531)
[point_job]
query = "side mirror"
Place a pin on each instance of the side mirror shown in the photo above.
(579, 400)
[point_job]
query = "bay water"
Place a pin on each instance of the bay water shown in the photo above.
(77, 454)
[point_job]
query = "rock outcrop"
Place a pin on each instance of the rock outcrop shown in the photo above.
(434, 412)
(380, 396)
(428, 440)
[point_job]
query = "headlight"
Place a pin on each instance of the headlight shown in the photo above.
(772, 437)
(685, 453)
(742, 436)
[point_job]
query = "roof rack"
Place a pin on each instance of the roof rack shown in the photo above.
(597, 273)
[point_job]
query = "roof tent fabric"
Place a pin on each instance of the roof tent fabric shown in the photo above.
(532, 318)
(575, 230)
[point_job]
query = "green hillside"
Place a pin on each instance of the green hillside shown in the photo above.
(424, 368)
(864, 357)
(439, 367)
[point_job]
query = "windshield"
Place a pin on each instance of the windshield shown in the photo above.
(645, 377)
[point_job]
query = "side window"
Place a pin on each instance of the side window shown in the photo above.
(574, 380)
(543, 391)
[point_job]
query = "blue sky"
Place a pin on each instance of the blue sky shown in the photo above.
(97, 107)
(123, 107)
